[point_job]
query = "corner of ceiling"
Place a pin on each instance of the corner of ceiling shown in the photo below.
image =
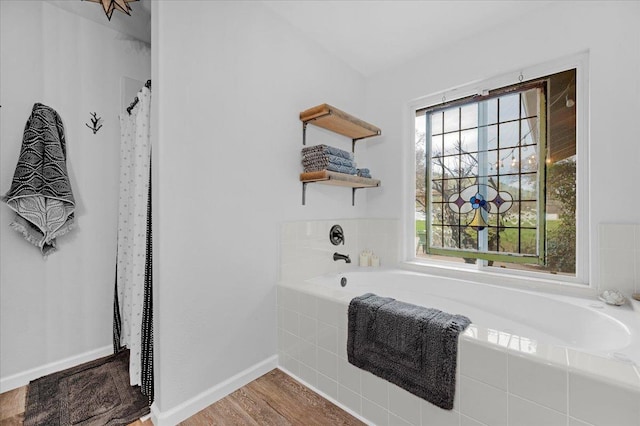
(137, 26)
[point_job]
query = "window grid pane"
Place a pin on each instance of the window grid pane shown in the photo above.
(509, 156)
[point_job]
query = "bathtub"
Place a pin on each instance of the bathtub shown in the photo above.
(549, 359)
(581, 324)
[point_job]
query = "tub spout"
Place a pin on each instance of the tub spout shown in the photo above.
(337, 256)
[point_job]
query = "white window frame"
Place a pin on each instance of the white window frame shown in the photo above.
(580, 282)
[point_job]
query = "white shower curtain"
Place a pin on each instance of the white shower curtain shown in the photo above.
(135, 150)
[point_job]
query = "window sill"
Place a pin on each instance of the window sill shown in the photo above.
(472, 274)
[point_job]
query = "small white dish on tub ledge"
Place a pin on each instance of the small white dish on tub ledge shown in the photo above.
(613, 297)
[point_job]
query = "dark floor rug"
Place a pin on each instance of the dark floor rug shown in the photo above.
(95, 393)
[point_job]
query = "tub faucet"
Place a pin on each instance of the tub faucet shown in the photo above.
(337, 256)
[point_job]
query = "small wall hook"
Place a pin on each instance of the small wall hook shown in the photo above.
(95, 123)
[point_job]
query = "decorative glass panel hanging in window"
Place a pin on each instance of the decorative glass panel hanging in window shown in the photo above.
(486, 177)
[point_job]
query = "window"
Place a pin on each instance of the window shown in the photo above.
(496, 177)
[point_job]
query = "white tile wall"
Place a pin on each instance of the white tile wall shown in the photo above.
(619, 251)
(350, 399)
(576, 422)
(375, 389)
(467, 421)
(436, 416)
(327, 337)
(305, 250)
(381, 236)
(487, 364)
(309, 375)
(404, 404)
(328, 386)
(483, 402)
(327, 364)
(601, 403)
(623, 373)
(498, 384)
(526, 413)
(542, 383)
(398, 421)
(308, 328)
(349, 376)
(375, 413)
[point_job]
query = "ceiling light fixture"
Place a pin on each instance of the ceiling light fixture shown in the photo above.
(110, 5)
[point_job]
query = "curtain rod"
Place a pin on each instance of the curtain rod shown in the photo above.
(136, 100)
(477, 98)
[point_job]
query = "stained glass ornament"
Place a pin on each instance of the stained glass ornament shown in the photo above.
(484, 199)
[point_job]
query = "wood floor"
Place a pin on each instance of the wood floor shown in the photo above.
(12, 407)
(273, 399)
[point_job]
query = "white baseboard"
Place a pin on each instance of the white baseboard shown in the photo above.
(190, 407)
(23, 379)
(327, 397)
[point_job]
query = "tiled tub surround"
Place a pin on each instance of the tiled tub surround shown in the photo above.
(619, 248)
(305, 250)
(504, 376)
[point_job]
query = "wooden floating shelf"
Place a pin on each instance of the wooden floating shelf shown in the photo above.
(335, 120)
(328, 177)
(331, 118)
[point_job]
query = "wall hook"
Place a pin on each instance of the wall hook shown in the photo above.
(95, 123)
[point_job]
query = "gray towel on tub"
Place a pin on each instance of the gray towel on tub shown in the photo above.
(411, 346)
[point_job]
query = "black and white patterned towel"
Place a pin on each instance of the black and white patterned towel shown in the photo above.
(40, 192)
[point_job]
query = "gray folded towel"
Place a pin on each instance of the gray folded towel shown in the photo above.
(411, 346)
(323, 161)
(333, 167)
(326, 158)
(363, 173)
(326, 149)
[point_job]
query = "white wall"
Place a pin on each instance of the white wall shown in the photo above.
(609, 31)
(231, 80)
(61, 307)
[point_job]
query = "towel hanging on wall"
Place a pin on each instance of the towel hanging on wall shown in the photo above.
(40, 192)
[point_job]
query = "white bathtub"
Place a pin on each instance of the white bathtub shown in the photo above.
(527, 358)
(577, 323)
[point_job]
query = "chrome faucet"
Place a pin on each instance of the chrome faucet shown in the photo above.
(337, 256)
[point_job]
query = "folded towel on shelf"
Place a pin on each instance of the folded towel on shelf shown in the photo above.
(321, 163)
(327, 158)
(40, 192)
(323, 157)
(340, 169)
(363, 173)
(411, 346)
(325, 164)
(326, 149)
(333, 167)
